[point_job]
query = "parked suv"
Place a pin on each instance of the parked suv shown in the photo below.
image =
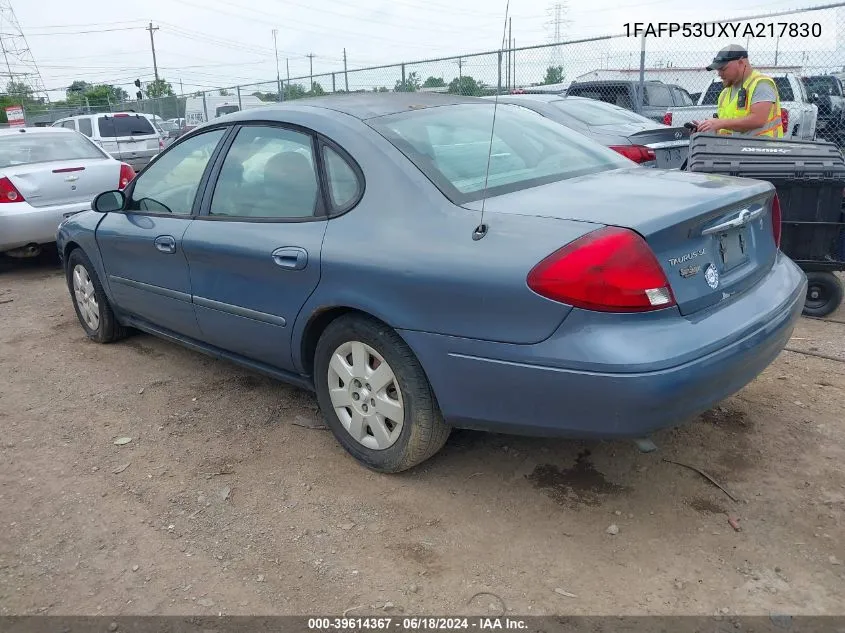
(127, 136)
(658, 97)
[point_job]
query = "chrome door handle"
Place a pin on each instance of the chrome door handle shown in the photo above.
(166, 244)
(290, 257)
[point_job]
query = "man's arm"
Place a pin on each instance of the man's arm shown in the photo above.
(761, 105)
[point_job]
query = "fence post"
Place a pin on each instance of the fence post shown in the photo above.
(499, 81)
(403, 76)
(204, 106)
(240, 105)
(333, 84)
(640, 94)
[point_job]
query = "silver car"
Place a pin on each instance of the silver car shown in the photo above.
(46, 175)
(127, 136)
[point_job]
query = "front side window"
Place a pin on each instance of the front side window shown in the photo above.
(269, 172)
(169, 185)
(451, 145)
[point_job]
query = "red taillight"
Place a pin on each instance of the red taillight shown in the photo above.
(608, 270)
(120, 116)
(776, 220)
(784, 119)
(667, 118)
(637, 153)
(8, 192)
(161, 143)
(126, 175)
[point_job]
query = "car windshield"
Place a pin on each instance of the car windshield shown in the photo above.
(598, 113)
(451, 145)
(23, 149)
(124, 125)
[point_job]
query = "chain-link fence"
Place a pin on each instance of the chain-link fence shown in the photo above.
(654, 69)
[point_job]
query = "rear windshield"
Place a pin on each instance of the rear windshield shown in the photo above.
(617, 94)
(128, 125)
(598, 113)
(23, 149)
(451, 144)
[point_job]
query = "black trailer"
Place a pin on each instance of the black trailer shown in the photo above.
(809, 177)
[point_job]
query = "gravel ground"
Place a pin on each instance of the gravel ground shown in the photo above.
(222, 503)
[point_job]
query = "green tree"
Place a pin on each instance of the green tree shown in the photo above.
(78, 86)
(466, 86)
(434, 82)
(225, 93)
(316, 90)
(554, 75)
(411, 83)
(294, 91)
(159, 88)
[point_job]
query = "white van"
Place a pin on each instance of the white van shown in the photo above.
(127, 136)
(199, 111)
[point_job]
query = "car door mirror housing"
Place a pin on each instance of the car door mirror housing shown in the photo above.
(109, 201)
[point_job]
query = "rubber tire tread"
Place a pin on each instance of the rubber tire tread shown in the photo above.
(109, 329)
(424, 431)
(832, 286)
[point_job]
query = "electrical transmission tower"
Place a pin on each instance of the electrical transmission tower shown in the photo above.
(17, 64)
(557, 24)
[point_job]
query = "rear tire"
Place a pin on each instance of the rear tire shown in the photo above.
(824, 294)
(375, 396)
(89, 300)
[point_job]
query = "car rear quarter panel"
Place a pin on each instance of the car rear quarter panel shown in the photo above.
(405, 254)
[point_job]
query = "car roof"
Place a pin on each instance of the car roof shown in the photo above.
(366, 105)
(9, 131)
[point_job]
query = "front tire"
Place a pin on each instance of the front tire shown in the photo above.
(89, 300)
(375, 396)
(824, 294)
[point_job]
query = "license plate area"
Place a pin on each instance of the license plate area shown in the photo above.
(732, 248)
(670, 158)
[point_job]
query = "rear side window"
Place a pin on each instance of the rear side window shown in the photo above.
(343, 182)
(85, 127)
(69, 125)
(784, 89)
(711, 97)
(126, 125)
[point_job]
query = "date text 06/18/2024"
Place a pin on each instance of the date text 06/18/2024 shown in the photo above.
(723, 29)
(414, 624)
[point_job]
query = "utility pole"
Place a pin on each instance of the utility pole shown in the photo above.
(345, 75)
(510, 48)
(152, 29)
(310, 57)
(278, 73)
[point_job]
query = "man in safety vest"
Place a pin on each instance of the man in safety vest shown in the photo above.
(749, 103)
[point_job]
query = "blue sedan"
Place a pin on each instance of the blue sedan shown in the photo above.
(419, 274)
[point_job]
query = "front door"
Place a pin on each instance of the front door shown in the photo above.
(254, 251)
(142, 248)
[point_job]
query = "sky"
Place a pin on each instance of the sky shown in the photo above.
(205, 44)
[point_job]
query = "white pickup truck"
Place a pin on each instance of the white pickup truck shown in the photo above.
(798, 114)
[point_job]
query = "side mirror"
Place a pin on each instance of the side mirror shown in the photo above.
(109, 202)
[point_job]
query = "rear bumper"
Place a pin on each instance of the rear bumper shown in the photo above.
(137, 160)
(598, 376)
(22, 224)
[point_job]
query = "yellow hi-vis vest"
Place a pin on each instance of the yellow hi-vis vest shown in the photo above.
(729, 108)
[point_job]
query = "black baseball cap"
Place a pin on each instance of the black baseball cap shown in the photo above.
(727, 54)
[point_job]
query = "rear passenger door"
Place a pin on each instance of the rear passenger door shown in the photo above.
(254, 251)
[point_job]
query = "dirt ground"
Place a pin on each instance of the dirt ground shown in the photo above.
(222, 504)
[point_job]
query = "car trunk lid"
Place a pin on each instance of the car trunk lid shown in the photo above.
(711, 234)
(64, 181)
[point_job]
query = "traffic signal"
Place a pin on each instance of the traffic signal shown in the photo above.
(138, 83)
